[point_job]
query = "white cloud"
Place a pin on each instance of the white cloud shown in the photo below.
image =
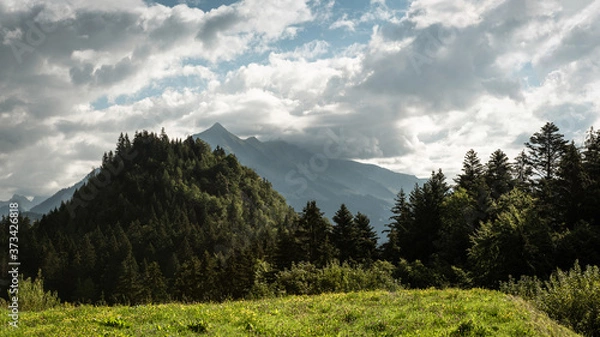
(344, 23)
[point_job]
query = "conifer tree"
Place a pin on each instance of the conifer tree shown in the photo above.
(367, 239)
(545, 150)
(522, 172)
(314, 235)
(345, 234)
(498, 174)
(128, 288)
(154, 284)
(472, 174)
(417, 240)
(572, 185)
(591, 165)
(398, 229)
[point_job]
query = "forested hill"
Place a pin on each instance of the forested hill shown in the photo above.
(160, 213)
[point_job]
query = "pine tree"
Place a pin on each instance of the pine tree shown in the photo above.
(345, 234)
(522, 172)
(417, 240)
(155, 288)
(498, 175)
(591, 165)
(398, 228)
(367, 239)
(314, 235)
(472, 174)
(128, 289)
(572, 185)
(545, 150)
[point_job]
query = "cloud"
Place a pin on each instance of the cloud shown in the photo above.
(409, 88)
(344, 23)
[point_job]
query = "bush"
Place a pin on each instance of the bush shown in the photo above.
(305, 278)
(415, 274)
(33, 297)
(572, 297)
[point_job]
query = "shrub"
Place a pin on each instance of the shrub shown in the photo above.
(33, 297)
(306, 279)
(571, 297)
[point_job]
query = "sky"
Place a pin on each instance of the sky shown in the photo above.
(407, 85)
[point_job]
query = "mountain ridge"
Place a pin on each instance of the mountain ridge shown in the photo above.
(297, 174)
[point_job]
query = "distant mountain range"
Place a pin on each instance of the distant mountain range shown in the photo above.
(39, 206)
(300, 175)
(296, 173)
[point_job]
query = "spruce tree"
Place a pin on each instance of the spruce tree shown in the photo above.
(128, 289)
(472, 174)
(155, 288)
(398, 229)
(498, 174)
(345, 234)
(426, 209)
(591, 165)
(572, 185)
(522, 172)
(545, 149)
(366, 251)
(314, 235)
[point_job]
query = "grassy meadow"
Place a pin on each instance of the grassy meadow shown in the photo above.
(450, 312)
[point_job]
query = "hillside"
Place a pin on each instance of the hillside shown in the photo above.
(159, 214)
(404, 313)
(300, 175)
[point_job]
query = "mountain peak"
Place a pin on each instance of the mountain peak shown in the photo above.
(217, 127)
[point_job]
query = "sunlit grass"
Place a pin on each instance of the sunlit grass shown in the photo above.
(377, 313)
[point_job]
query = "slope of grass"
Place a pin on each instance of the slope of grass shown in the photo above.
(377, 313)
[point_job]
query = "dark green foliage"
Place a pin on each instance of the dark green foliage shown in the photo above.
(159, 214)
(354, 238)
(591, 165)
(311, 238)
(471, 178)
(367, 240)
(522, 172)
(571, 186)
(398, 228)
(344, 234)
(545, 150)
(306, 279)
(517, 242)
(425, 220)
(460, 219)
(579, 243)
(570, 297)
(498, 175)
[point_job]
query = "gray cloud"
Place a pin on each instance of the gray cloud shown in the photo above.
(421, 91)
(215, 24)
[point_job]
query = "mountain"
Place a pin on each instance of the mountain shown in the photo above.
(25, 204)
(300, 175)
(177, 221)
(61, 196)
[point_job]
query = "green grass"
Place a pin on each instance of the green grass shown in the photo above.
(431, 312)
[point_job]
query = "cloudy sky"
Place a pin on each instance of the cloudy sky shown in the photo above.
(409, 85)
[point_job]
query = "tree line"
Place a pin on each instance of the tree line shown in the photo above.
(181, 221)
(502, 218)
